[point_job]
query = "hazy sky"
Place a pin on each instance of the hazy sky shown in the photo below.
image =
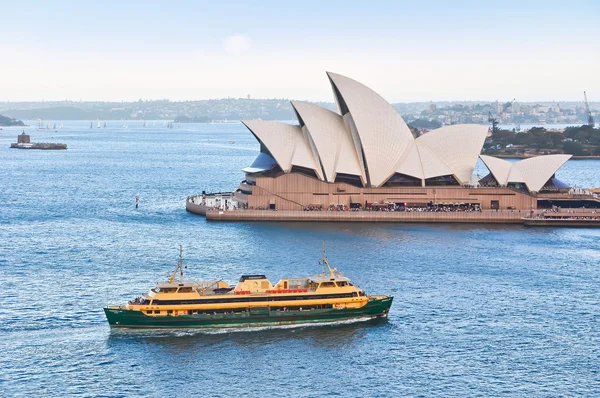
(406, 51)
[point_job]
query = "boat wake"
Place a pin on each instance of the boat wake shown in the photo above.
(183, 332)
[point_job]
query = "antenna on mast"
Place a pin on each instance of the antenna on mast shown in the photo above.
(326, 262)
(178, 267)
(323, 259)
(180, 263)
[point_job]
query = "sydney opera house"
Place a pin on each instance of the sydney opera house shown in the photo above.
(364, 155)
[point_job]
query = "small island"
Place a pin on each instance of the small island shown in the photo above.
(7, 122)
(24, 142)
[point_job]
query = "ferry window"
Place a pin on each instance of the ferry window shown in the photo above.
(148, 312)
(355, 294)
(350, 284)
(327, 284)
(169, 311)
(342, 284)
(157, 311)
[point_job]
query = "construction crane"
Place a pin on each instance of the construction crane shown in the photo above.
(493, 121)
(588, 112)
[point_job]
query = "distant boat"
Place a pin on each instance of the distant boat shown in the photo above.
(98, 126)
(90, 124)
(61, 126)
(41, 125)
(104, 124)
(144, 125)
(54, 128)
(125, 126)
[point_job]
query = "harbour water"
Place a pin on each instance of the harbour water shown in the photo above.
(499, 310)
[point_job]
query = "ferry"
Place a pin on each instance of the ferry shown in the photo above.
(253, 302)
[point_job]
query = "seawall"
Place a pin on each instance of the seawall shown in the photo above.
(485, 217)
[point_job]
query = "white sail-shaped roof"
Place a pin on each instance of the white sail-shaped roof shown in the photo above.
(538, 170)
(515, 175)
(432, 165)
(533, 172)
(384, 137)
(457, 146)
(348, 161)
(332, 142)
(369, 139)
(412, 164)
(278, 138)
(303, 155)
(285, 142)
(499, 168)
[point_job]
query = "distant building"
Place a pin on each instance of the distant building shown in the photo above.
(499, 107)
(516, 107)
(23, 138)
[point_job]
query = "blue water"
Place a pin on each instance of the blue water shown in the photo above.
(478, 311)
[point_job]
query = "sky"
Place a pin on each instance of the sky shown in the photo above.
(407, 51)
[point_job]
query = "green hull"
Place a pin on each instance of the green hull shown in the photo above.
(121, 318)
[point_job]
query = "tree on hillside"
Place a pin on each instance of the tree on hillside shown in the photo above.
(554, 139)
(574, 148)
(583, 134)
(503, 137)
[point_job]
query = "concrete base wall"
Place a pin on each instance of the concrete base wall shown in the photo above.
(486, 217)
